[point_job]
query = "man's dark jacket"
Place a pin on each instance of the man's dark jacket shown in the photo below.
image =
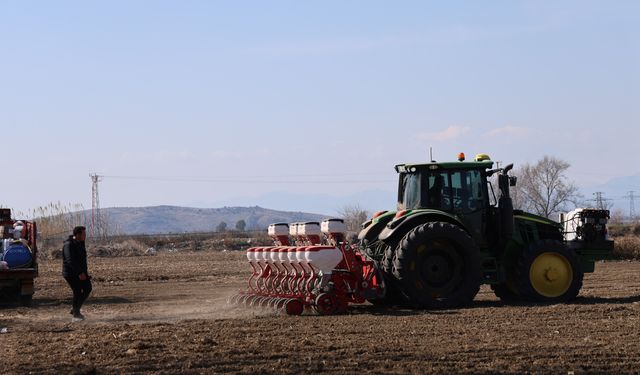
(74, 258)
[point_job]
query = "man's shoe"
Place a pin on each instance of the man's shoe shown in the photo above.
(77, 317)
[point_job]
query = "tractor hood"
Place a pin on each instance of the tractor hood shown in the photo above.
(521, 215)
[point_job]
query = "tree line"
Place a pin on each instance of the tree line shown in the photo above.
(241, 225)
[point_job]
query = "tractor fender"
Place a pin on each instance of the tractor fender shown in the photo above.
(397, 228)
(372, 228)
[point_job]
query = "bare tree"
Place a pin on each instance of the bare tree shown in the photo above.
(617, 216)
(544, 189)
(353, 216)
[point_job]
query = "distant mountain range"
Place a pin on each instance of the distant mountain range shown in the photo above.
(371, 200)
(172, 219)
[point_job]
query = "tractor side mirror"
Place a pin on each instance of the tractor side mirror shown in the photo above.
(513, 181)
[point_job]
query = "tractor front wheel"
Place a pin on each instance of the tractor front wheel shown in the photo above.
(437, 265)
(549, 272)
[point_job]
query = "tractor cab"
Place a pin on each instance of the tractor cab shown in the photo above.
(450, 187)
(458, 192)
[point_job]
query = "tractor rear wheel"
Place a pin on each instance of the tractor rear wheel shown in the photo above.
(438, 266)
(549, 272)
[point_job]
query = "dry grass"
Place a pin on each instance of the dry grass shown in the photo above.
(55, 218)
(620, 230)
(126, 248)
(119, 249)
(627, 247)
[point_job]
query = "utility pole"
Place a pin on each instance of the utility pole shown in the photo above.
(96, 219)
(602, 203)
(631, 195)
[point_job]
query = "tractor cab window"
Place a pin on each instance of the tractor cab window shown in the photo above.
(454, 191)
(410, 191)
(468, 195)
(438, 193)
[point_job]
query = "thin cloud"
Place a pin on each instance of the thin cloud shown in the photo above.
(452, 132)
(508, 131)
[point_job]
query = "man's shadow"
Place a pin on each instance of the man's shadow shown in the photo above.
(52, 302)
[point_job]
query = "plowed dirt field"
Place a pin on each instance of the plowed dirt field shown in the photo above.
(167, 314)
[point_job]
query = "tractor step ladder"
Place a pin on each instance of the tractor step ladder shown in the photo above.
(489, 270)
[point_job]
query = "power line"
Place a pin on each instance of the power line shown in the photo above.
(250, 180)
(259, 176)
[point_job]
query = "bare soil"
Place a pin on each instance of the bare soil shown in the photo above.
(167, 314)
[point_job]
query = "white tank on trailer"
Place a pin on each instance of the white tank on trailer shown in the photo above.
(585, 224)
(323, 258)
(570, 222)
(310, 228)
(310, 231)
(279, 232)
(335, 230)
(278, 229)
(333, 226)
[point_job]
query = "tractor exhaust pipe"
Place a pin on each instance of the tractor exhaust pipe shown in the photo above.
(505, 204)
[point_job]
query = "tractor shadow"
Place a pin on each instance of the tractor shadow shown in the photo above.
(370, 309)
(605, 300)
(588, 301)
(394, 311)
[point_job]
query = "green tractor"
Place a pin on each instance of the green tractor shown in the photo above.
(450, 234)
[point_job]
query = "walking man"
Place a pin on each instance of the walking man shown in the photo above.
(74, 269)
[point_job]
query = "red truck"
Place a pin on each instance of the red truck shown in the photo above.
(17, 243)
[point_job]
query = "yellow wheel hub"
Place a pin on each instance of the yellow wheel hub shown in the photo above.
(551, 274)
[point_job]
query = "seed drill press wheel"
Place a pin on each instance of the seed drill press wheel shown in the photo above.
(329, 304)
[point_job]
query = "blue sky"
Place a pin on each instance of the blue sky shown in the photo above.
(224, 102)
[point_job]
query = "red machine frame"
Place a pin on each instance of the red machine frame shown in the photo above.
(295, 287)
